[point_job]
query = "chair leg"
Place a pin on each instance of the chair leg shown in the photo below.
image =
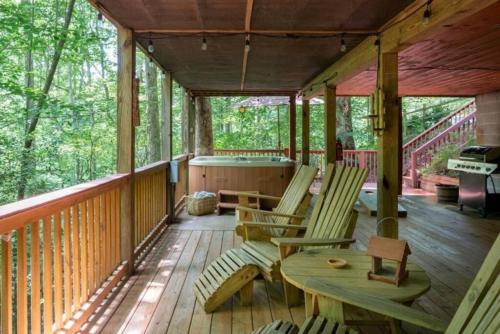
(246, 293)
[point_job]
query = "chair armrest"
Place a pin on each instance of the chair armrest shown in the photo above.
(297, 242)
(261, 196)
(285, 226)
(375, 304)
(269, 213)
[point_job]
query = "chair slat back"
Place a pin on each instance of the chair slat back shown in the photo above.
(479, 311)
(334, 216)
(295, 192)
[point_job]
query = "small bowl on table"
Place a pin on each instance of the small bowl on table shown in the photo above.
(337, 263)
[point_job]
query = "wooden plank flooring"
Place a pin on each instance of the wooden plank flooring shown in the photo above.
(448, 244)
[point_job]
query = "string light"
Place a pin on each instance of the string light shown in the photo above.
(343, 47)
(151, 47)
(204, 44)
(247, 45)
(99, 16)
(427, 12)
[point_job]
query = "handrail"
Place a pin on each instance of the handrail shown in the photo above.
(436, 141)
(444, 134)
(155, 166)
(17, 214)
(441, 122)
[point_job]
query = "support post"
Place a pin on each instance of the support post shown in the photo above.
(330, 125)
(305, 132)
(293, 129)
(166, 135)
(166, 117)
(389, 151)
(126, 140)
(191, 125)
(185, 121)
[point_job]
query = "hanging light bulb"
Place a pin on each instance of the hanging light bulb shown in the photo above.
(247, 45)
(151, 47)
(343, 47)
(427, 13)
(204, 44)
(99, 16)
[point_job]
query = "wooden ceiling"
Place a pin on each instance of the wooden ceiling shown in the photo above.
(291, 41)
(456, 60)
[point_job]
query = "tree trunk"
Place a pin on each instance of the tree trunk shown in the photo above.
(204, 136)
(33, 120)
(346, 123)
(154, 151)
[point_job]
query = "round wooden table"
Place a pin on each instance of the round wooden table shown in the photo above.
(298, 268)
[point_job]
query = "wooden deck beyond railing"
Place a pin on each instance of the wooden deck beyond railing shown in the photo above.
(61, 251)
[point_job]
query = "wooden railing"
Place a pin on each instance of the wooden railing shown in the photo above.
(61, 252)
(360, 158)
(66, 258)
(181, 188)
(457, 133)
(249, 152)
(435, 130)
(151, 202)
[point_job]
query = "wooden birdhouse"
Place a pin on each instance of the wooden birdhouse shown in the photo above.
(380, 249)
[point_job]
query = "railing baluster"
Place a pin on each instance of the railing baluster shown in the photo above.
(67, 264)
(75, 242)
(6, 284)
(83, 253)
(58, 269)
(90, 246)
(22, 295)
(35, 277)
(47, 275)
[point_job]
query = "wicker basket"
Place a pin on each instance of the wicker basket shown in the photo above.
(201, 206)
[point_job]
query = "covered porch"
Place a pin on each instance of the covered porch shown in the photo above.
(450, 246)
(119, 254)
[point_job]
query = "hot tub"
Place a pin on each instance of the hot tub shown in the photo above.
(268, 175)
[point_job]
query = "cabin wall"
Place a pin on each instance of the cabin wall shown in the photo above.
(488, 119)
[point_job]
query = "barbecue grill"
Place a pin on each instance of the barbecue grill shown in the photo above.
(479, 178)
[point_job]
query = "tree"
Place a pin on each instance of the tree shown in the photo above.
(203, 127)
(32, 120)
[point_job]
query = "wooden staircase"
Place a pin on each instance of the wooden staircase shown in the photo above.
(453, 128)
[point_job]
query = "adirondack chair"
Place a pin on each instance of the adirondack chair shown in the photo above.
(291, 207)
(312, 325)
(331, 224)
(479, 311)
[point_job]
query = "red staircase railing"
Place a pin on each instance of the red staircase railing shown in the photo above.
(434, 131)
(456, 133)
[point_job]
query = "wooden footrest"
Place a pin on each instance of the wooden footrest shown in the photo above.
(312, 325)
(230, 273)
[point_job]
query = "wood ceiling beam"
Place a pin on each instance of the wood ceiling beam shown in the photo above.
(259, 31)
(248, 23)
(243, 92)
(395, 38)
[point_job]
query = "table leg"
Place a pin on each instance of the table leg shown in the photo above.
(292, 294)
(311, 304)
(331, 309)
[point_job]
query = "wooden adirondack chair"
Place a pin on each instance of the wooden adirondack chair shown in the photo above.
(479, 311)
(331, 224)
(312, 325)
(291, 207)
(332, 218)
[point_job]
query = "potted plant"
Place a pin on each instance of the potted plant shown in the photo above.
(437, 177)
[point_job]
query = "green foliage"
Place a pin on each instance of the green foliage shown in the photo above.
(439, 162)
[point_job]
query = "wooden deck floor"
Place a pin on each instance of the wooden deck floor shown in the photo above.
(450, 245)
